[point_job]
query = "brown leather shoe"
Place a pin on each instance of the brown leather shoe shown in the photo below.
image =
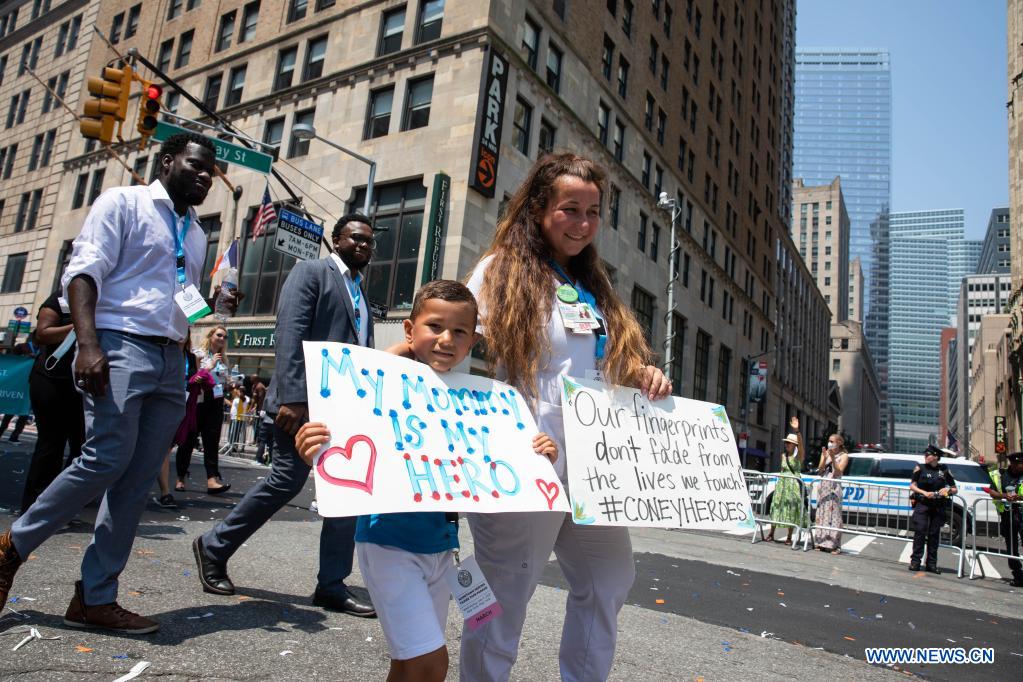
(9, 564)
(106, 616)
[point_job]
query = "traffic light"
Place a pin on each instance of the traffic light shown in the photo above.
(149, 109)
(111, 105)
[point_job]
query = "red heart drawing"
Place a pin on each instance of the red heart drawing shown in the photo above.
(366, 482)
(550, 491)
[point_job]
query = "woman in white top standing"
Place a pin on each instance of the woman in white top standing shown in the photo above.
(212, 356)
(544, 282)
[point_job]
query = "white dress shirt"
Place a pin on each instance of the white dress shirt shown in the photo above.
(128, 249)
(346, 275)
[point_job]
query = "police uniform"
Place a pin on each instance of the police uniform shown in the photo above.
(1011, 515)
(929, 514)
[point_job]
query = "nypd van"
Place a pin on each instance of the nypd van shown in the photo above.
(873, 506)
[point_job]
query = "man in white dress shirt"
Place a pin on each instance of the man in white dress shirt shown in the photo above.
(139, 249)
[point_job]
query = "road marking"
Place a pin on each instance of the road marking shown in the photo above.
(987, 568)
(907, 552)
(856, 544)
(739, 531)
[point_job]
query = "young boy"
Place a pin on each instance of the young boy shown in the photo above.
(405, 557)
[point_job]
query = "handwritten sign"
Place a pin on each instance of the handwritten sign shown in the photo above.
(405, 438)
(669, 464)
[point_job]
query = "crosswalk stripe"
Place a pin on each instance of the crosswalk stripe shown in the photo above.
(989, 569)
(907, 552)
(856, 544)
(739, 531)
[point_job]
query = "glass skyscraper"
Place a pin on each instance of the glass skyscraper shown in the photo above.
(928, 257)
(843, 126)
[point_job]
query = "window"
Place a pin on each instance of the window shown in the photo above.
(417, 102)
(658, 180)
(559, 8)
(662, 125)
(316, 53)
(724, 369)
(607, 58)
(72, 37)
(3, 66)
(648, 113)
(603, 121)
(614, 205)
(184, 49)
(37, 148)
(612, 7)
(236, 83)
(285, 68)
(678, 343)
(665, 65)
(28, 211)
(297, 9)
(655, 241)
(171, 100)
(273, 131)
(115, 28)
(324, 4)
(163, 59)
(139, 169)
(133, 21)
(530, 42)
(627, 17)
(645, 173)
(211, 95)
(96, 186)
(554, 58)
(192, 4)
(896, 468)
(78, 200)
(619, 141)
(431, 16)
(174, 9)
(521, 123)
(262, 272)
(623, 76)
(836, 365)
(399, 209)
(548, 133)
(47, 148)
(226, 31)
(643, 306)
(250, 17)
(391, 28)
(14, 273)
(641, 233)
(701, 365)
(654, 50)
(298, 147)
(378, 113)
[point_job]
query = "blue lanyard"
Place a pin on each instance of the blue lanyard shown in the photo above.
(179, 245)
(356, 293)
(585, 296)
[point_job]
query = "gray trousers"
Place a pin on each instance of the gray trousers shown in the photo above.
(127, 434)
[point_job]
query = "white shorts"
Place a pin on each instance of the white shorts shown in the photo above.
(410, 593)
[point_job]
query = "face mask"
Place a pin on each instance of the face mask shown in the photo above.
(832, 446)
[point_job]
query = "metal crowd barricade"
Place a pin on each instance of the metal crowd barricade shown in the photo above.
(884, 511)
(235, 434)
(988, 530)
(761, 486)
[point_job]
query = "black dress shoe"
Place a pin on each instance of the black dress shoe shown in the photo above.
(348, 603)
(914, 567)
(212, 576)
(933, 569)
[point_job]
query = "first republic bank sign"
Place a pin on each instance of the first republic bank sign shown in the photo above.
(486, 145)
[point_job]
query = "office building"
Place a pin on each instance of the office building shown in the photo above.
(994, 253)
(948, 403)
(820, 228)
(853, 370)
(992, 406)
(856, 290)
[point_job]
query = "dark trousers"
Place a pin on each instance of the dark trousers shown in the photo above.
(1011, 526)
(288, 474)
(19, 425)
(927, 522)
(60, 420)
(209, 420)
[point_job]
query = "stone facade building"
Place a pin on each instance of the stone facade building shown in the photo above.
(820, 227)
(853, 370)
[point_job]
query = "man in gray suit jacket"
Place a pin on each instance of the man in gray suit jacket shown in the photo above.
(321, 301)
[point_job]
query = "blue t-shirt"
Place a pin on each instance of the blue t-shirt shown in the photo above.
(417, 532)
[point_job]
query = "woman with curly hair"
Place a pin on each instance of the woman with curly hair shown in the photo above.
(212, 357)
(542, 266)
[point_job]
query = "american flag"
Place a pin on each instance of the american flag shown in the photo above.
(265, 215)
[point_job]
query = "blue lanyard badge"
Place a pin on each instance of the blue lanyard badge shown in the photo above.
(582, 295)
(179, 245)
(356, 293)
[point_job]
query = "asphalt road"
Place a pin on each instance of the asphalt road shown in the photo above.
(728, 609)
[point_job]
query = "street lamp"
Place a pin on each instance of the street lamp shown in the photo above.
(745, 400)
(306, 131)
(664, 202)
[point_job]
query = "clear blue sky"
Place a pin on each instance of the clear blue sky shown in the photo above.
(950, 135)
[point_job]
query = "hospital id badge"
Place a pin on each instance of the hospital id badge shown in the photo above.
(218, 391)
(578, 317)
(472, 593)
(192, 304)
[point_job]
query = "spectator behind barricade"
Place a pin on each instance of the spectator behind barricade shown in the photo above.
(60, 419)
(19, 425)
(258, 393)
(1007, 491)
(787, 502)
(211, 356)
(239, 409)
(832, 464)
(930, 487)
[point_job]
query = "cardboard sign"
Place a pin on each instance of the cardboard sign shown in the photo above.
(404, 438)
(667, 464)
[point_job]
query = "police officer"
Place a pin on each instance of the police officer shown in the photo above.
(930, 485)
(1007, 488)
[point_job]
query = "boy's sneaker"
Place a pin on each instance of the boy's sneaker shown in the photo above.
(165, 501)
(106, 616)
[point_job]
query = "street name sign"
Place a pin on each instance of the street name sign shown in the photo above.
(226, 151)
